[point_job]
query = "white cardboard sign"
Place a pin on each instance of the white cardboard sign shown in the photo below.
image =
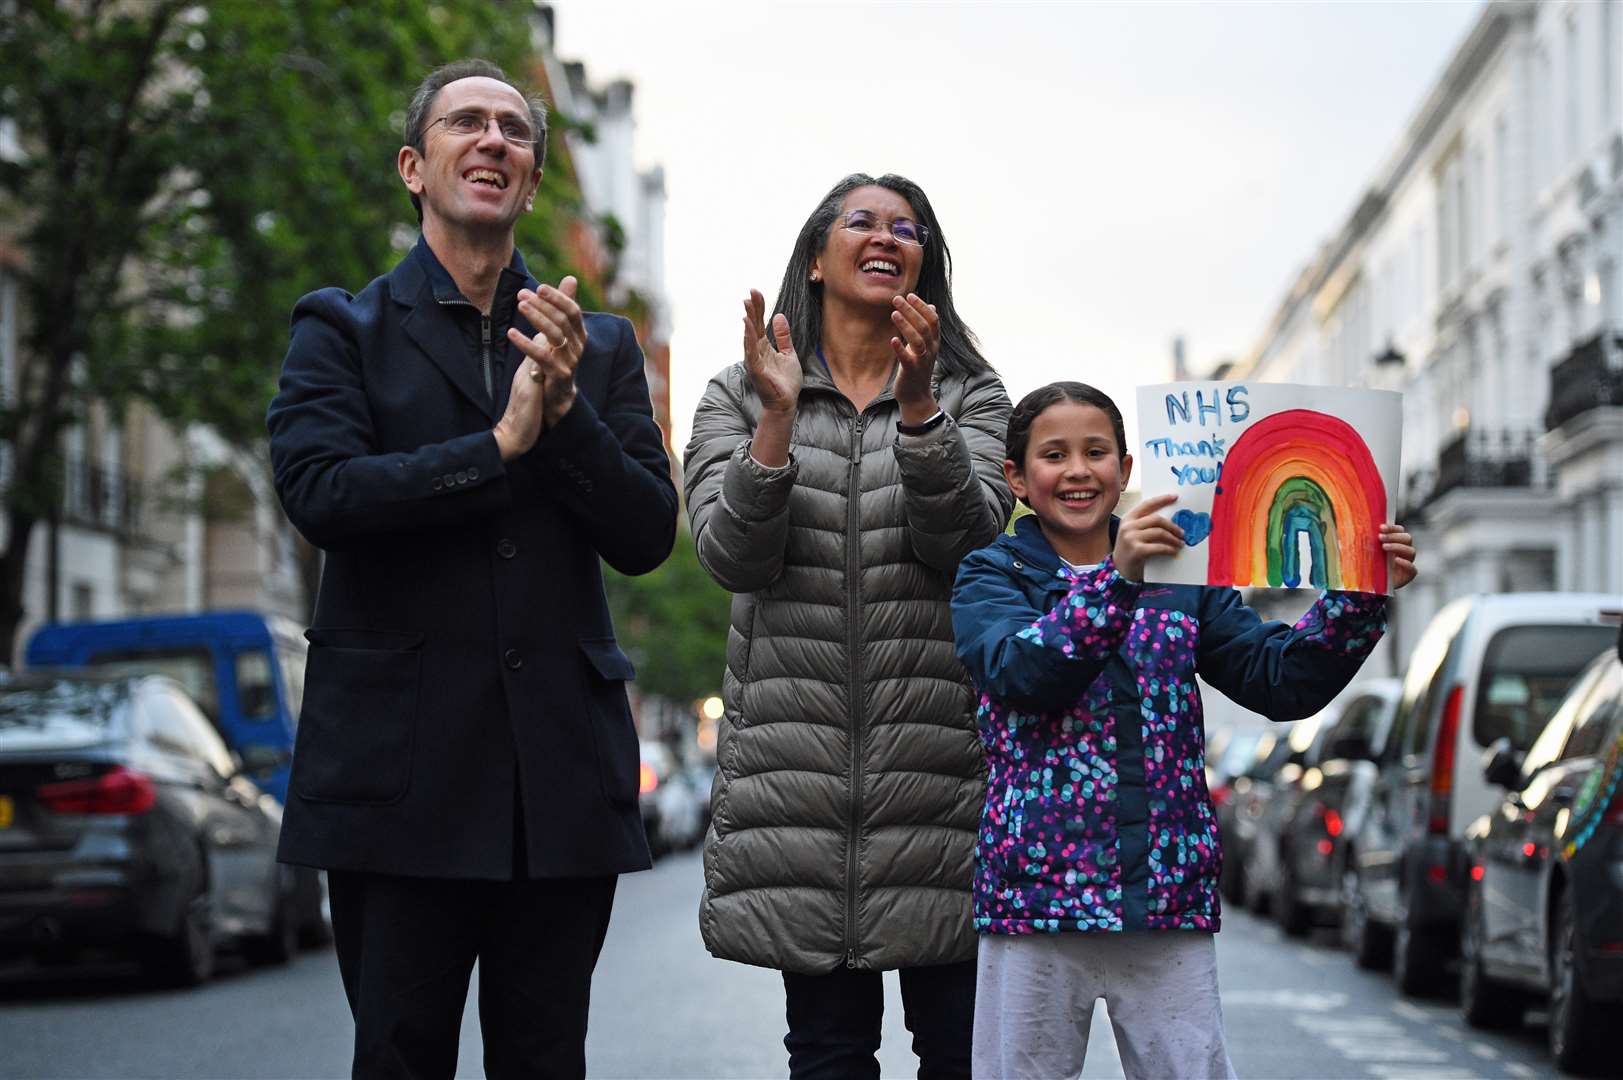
(1278, 485)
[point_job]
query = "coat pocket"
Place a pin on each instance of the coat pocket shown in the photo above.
(359, 724)
(607, 672)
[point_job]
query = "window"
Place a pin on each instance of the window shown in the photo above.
(1607, 63)
(1411, 729)
(191, 667)
(1501, 178)
(292, 660)
(1526, 671)
(174, 725)
(256, 687)
(1572, 62)
(1596, 711)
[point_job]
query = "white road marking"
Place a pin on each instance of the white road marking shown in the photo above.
(1409, 1072)
(1483, 1050)
(1306, 1000)
(1450, 1033)
(1411, 1012)
(1516, 1068)
(1357, 1048)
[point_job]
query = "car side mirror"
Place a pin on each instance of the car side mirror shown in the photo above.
(1350, 748)
(258, 762)
(1502, 764)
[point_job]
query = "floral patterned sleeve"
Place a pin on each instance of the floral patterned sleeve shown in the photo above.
(1287, 672)
(1038, 660)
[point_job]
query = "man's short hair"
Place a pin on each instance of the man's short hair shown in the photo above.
(422, 99)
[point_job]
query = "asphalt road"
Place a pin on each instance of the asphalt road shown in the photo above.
(664, 1008)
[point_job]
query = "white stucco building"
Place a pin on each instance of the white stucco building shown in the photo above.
(1482, 275)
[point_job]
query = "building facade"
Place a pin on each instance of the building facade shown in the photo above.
(1482, 275)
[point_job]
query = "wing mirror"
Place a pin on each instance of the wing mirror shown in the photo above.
(1502, 764)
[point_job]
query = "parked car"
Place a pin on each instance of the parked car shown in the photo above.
(125, 823)
(1544, 905)
(1237, 814)
(673, 809)
(245, 669)
(1299, 846)
(1487, 667)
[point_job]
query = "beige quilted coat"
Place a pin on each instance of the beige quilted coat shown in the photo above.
(850, 777)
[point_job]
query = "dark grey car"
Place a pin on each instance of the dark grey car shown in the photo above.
(126, 824)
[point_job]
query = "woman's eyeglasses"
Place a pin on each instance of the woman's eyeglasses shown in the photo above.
(902, 230)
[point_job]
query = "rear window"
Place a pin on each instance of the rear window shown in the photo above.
(191, 666)
(1526, 671)
(60, 713)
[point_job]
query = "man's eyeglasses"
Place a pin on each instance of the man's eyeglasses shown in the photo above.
(469, 122)
(902, 230)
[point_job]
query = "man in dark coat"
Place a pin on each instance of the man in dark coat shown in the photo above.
(465, 444)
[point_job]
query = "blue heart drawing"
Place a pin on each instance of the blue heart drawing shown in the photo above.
(1196, 526)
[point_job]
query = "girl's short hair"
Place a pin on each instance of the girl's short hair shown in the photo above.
(1031, 406)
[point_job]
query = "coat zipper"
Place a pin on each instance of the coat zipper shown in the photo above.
(853, 608)
(484, 345)
(486, 368)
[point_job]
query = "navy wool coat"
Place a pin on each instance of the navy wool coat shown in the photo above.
(463, 673)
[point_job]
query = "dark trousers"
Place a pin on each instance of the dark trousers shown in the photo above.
(834, 1021)
(406, 948)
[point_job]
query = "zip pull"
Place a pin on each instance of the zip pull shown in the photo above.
(851, 959)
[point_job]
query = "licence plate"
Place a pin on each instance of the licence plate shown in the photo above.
(8, 811)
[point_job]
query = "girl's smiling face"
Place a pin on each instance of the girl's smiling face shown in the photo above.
(1072, 477)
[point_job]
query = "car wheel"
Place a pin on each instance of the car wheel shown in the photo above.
(1574, 1019)
(1231, 882)
(1415, 959)
(185, 957)
(1484, 1003)
(1295, 917)
(1367, 941)
(281, 939)
(312, 914)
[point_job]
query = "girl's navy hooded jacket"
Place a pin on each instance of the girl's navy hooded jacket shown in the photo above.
(1097, 815)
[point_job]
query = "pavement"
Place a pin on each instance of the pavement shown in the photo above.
(663, 1008)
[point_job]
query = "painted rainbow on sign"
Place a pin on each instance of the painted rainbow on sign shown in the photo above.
(1293, 474)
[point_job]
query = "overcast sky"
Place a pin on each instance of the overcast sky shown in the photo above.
(1108, 176)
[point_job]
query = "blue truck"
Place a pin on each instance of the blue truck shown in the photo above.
(246, 670)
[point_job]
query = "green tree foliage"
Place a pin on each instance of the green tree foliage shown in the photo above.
(188, 170)
(673, 624)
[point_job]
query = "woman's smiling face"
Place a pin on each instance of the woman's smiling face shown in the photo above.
(869, 268)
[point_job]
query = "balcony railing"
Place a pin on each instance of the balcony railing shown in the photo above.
(98, 497)
(1477, 458)
(1584, 381)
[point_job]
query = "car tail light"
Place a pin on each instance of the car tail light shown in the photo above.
(1478, 872)
(117, 791)
(1325, 847)
(1221, 794)
(647, 779)
(1442, 761)
(1331, 819)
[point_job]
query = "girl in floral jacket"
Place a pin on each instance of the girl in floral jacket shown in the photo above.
(1098, 853)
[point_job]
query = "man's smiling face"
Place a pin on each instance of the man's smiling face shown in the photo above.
(476, 182)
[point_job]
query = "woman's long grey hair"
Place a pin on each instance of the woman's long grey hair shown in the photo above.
(801, 300)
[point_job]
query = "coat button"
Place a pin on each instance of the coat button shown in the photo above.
(462, 477)
(450, 479)
(506, 548)
(436, 483)
(512, 658)
(473, 472)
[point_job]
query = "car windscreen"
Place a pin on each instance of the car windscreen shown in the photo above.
(190, 665)
(1526, 671)
(57, 714)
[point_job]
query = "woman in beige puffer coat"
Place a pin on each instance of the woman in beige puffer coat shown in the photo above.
(834, 480)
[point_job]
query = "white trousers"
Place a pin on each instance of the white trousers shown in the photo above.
(1035, 993)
